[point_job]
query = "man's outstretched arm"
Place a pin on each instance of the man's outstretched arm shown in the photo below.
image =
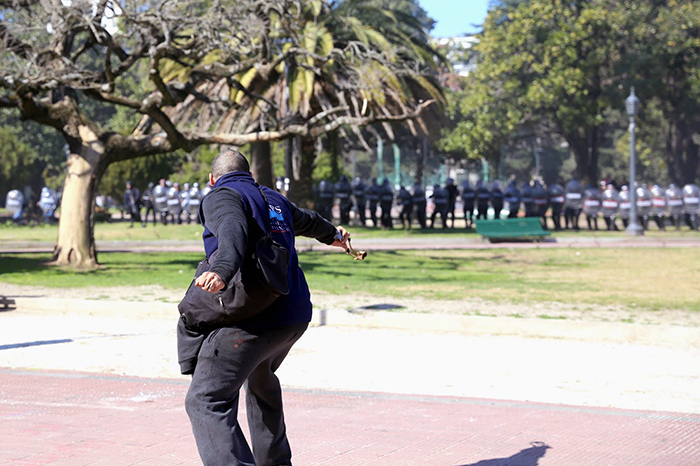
(313, 225)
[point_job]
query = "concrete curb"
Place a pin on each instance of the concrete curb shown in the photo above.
(607, 332)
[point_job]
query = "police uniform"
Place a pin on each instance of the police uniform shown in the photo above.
(132, 203)
(420, 204)
(468, 199)
(343, 191)
(452, 193)
(359, 192)
(405, 201)
(373, 194)
(386, 201)
(439, 198)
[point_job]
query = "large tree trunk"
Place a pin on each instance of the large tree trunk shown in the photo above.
(334, 150)
(261, 163)
(301, 185)
(584, 148)
(75, 245)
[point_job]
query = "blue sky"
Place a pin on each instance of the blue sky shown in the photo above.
(455, 17)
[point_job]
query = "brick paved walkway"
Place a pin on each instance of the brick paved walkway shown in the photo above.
(76, 419)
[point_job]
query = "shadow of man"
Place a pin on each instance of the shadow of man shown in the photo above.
(527, 457)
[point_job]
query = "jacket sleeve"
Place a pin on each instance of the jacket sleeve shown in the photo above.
(312, 224)
(225, 217)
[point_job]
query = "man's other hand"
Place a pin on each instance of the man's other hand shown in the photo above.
(209, 281)
(341, 242)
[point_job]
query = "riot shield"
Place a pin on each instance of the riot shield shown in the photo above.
(48, 201)
(659, 204)
(173, 201)
(674, 200)
(644, 201)
(512, 198)
(14, 202)
(573, 195)
(184, 200)
(556, 194)
(625, 203)
(592, 202)
(691, 199)
(541, 198)
(195, 197)
(160, 199)
(610, 203)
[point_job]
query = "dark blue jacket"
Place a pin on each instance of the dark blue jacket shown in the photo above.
(226, 215)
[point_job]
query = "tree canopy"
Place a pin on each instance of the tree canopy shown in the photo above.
(564, 68)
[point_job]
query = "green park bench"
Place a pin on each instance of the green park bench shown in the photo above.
(509, 229)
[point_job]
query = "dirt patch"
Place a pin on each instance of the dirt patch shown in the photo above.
(371, 303)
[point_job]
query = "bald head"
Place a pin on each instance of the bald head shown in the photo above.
(228, 161)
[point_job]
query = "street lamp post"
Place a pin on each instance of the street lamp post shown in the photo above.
(633, 229)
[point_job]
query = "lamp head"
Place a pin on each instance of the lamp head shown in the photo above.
(632, 103)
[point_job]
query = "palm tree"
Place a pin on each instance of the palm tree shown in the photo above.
(347, 64)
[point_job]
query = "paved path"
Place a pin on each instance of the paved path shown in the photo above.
(466, 241)
(101, 388)
(74, 419)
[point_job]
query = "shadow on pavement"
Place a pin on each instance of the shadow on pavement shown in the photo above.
(7, 304)
(527, 457)
(35, 343)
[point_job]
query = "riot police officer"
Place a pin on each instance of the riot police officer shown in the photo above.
(194, 199)
(512, 199)
(343, 191)
(644, 205)
(573, 203)
(420, 204)
(14, 203)
(496, 199)
(405, 202)
(659, 204)
(468, 199)
(625, 205)
(528, 198)
(691, 205)
(160, 201)
(439, 198)
(610, 205)
(132, 203)
(674, 198)
(386, 201)
(147, 202)
(185, 201)
(373, 194)
(592, 200)
(452, 193)
(483, 196)
(556, 199)
(48, 203)
(325, 200)
(359, 191)
(174, 204)
(541, 201)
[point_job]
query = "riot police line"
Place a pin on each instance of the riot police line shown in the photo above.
(372, 205)
(165, 202)
(559, 206)
(23, 211)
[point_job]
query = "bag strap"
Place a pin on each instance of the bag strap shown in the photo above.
(268, 226)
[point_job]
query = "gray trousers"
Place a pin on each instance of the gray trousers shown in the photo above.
(230, 357)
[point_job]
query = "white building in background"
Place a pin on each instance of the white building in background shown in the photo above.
(458, 52)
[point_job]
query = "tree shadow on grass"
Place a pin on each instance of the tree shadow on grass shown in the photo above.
(34, 262)
(527, 457)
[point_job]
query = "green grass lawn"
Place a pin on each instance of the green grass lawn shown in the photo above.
(644, 278)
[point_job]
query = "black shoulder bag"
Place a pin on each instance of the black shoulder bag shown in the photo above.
(260, 280)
